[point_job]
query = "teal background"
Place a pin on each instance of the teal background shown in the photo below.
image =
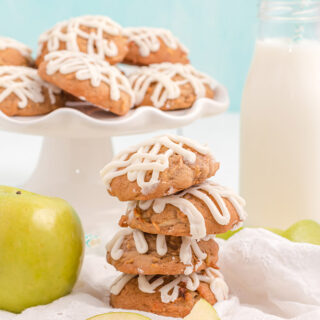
(219, 33)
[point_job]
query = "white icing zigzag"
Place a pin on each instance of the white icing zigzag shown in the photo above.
(202, 192)
(25, 84)
(147, 39)
(6, 43)
(91, 68)
(188, 245)
(166, 85)
(146, 157)
(68, 32)
(170, 291)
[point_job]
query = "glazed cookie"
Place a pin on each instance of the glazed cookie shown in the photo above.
(152, 45)
(97, 35)
(24, 93)
(168, 86)
(88, 78)
(160, 166)
(204, 209)
(14, 53)
(135, 252)
(172, 296)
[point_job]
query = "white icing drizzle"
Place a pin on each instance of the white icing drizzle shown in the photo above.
(161, 245)
(25, 84)
(147, 39)
(69, 31)
(148, 287)
(6, 43)
(202, 192)
(120, 282)
(145, 157)
(90, 68)
(188, 246)
(140, 241)
(114, 246)
(164, 75)
(170, 291)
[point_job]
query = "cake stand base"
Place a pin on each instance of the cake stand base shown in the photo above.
(68, 168)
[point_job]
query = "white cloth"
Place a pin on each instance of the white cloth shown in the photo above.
(270, 278)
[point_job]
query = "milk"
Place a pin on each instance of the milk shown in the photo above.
(280, 133)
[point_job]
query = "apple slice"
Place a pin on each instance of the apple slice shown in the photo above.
(119, 316)
(202, 310)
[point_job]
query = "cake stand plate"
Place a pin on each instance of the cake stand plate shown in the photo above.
(76, 146)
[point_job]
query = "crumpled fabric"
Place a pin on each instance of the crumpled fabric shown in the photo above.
(270, 278)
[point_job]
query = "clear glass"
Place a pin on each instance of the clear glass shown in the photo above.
(294, 20)
(280, 117)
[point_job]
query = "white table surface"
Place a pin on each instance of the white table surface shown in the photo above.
(19, 153)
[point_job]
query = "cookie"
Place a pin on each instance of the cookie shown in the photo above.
(14, 53)
(157, 167)
(205, 209)
(153, 45)
(172, 296)
(88, 78)
(168, 86)
(135, 252)
(24, 93)
(94, 35)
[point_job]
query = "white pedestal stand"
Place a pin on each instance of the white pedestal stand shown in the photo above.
(76, 146)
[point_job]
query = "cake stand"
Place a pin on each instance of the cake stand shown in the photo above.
(76, 146)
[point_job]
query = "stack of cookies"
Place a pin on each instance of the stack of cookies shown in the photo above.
(167, 249)
(79, 58)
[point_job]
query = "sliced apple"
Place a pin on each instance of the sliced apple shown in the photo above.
(119, 316)
(304, 231)
(202, 310)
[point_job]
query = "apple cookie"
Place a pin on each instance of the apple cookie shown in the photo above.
(157, 167)
(172, 296)
(204, 209)
(152, 45)
(24, 93)
(168, 86)
(14, 53)
(94, 35)
(88, 78)
(135, 252)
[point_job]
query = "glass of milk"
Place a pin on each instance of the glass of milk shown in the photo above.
(280, 117)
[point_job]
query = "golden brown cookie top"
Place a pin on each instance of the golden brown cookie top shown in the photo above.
(6, 43)
(169, 286)
(97, 32)
(24, 84)
(87, 68)
(148, 39)
(152, 165)
(208, 197)
(168, 79)
(133, 251)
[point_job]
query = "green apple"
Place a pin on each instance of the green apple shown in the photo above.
(228, 234)
(304, 231)
(41, 249)
(119, 316)
(202, 310)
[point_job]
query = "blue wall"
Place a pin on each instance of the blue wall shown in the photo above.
(219, 33)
